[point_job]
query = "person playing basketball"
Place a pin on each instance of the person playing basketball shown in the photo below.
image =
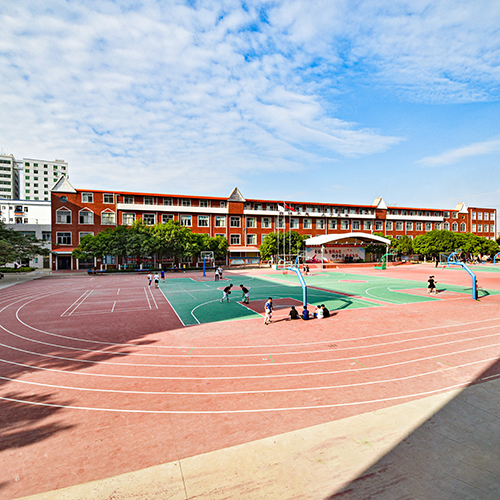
(268, 309)
(225, 293)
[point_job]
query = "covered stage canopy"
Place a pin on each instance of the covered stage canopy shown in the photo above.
(346, 239)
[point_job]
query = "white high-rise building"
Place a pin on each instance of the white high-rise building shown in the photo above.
(40, 176)
(9, 177)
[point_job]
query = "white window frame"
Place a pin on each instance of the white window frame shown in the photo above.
(186, 220)
(235, 221)
(103, 217)
(220, 221)
(251, 239)
(203, 221)
(149, 215)
(251, 222)
(59, 235)
(82, 234)
(86, 211)
(166, 217)
(65, 211)
(128, 215)
(235, 239)
(108, 202)
(87, 197)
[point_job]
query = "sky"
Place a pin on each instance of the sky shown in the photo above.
(335, 101)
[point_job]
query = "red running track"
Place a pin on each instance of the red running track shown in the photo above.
(98, 378)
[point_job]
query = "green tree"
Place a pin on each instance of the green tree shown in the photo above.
(290, 243)
(17, 247)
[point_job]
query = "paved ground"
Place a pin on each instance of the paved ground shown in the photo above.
(392, 402)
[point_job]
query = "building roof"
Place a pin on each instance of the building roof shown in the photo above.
(350, 238)
(63, 186)
(236, 196)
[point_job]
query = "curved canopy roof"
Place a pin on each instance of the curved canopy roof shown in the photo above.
(346, 238)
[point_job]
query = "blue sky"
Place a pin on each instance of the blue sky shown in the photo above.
(334, 101)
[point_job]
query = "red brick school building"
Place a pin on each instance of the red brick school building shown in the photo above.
(243, 221)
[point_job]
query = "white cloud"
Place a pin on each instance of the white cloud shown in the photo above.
(455, 155)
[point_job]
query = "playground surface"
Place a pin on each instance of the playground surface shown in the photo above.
(114, 390)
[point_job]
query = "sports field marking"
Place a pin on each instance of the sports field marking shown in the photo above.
(258, 391)
(253, 410)
(30, 299)
(73, 307)
(173, 308)
(284, 363)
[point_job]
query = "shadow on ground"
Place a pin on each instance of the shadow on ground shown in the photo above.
(454, 455)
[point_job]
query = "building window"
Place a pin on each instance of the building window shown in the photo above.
(149, 200)
(186, 203)
(446, 226)
(266, 222)
(203, 203)
(473, 215)
(86, 217)
(344, 224)
(168, 201)
(492, 228)
(166, 217)
(462, 228)
(437, 225)
(235, 239)
(492, 216)
(399, 226)
(107, 218)
(332, 224)
(379, 225)
(356, 225)
(479, 228)
(87, 197)
(294, 224)
(128, 219)
(270, 206)
(63, 216)
(251, 239)
(454, 227)
(320, 223)
(149, 219)
(108, 198)
(388, 225)
(186, 220)
(307, 224)
(280, 223)
(64, 238)
(82, 235)
(46, 236)
(128, 200)
(368, 225)
(419, 226)
(409, 226)
(428, 226)
(251, 222)
(220, 221)
(446, 215)
(486, 216)
(203, 221)
(235, 222)
(480, 216)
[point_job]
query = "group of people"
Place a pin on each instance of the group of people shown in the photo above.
(218, 273)
(156, 277)
(245, 294)
(321, 312)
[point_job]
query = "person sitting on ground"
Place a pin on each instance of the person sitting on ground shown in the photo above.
(305, 313)
(293, 314)
(318, 313)
(326, 312)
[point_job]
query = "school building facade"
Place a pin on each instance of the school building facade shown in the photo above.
(244, 222)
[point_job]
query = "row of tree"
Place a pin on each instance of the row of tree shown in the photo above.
(433, 243)
(17, 247)
(169, 240)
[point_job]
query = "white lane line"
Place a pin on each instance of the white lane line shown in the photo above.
(153, 297)
(256, 410)
(118, 292)
(113, 308)
(147, 298)
(83, 295)
(250, 365)
(267, 390)
(298, 344)
(173, 308)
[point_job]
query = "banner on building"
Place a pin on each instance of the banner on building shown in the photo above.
(334, 253)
